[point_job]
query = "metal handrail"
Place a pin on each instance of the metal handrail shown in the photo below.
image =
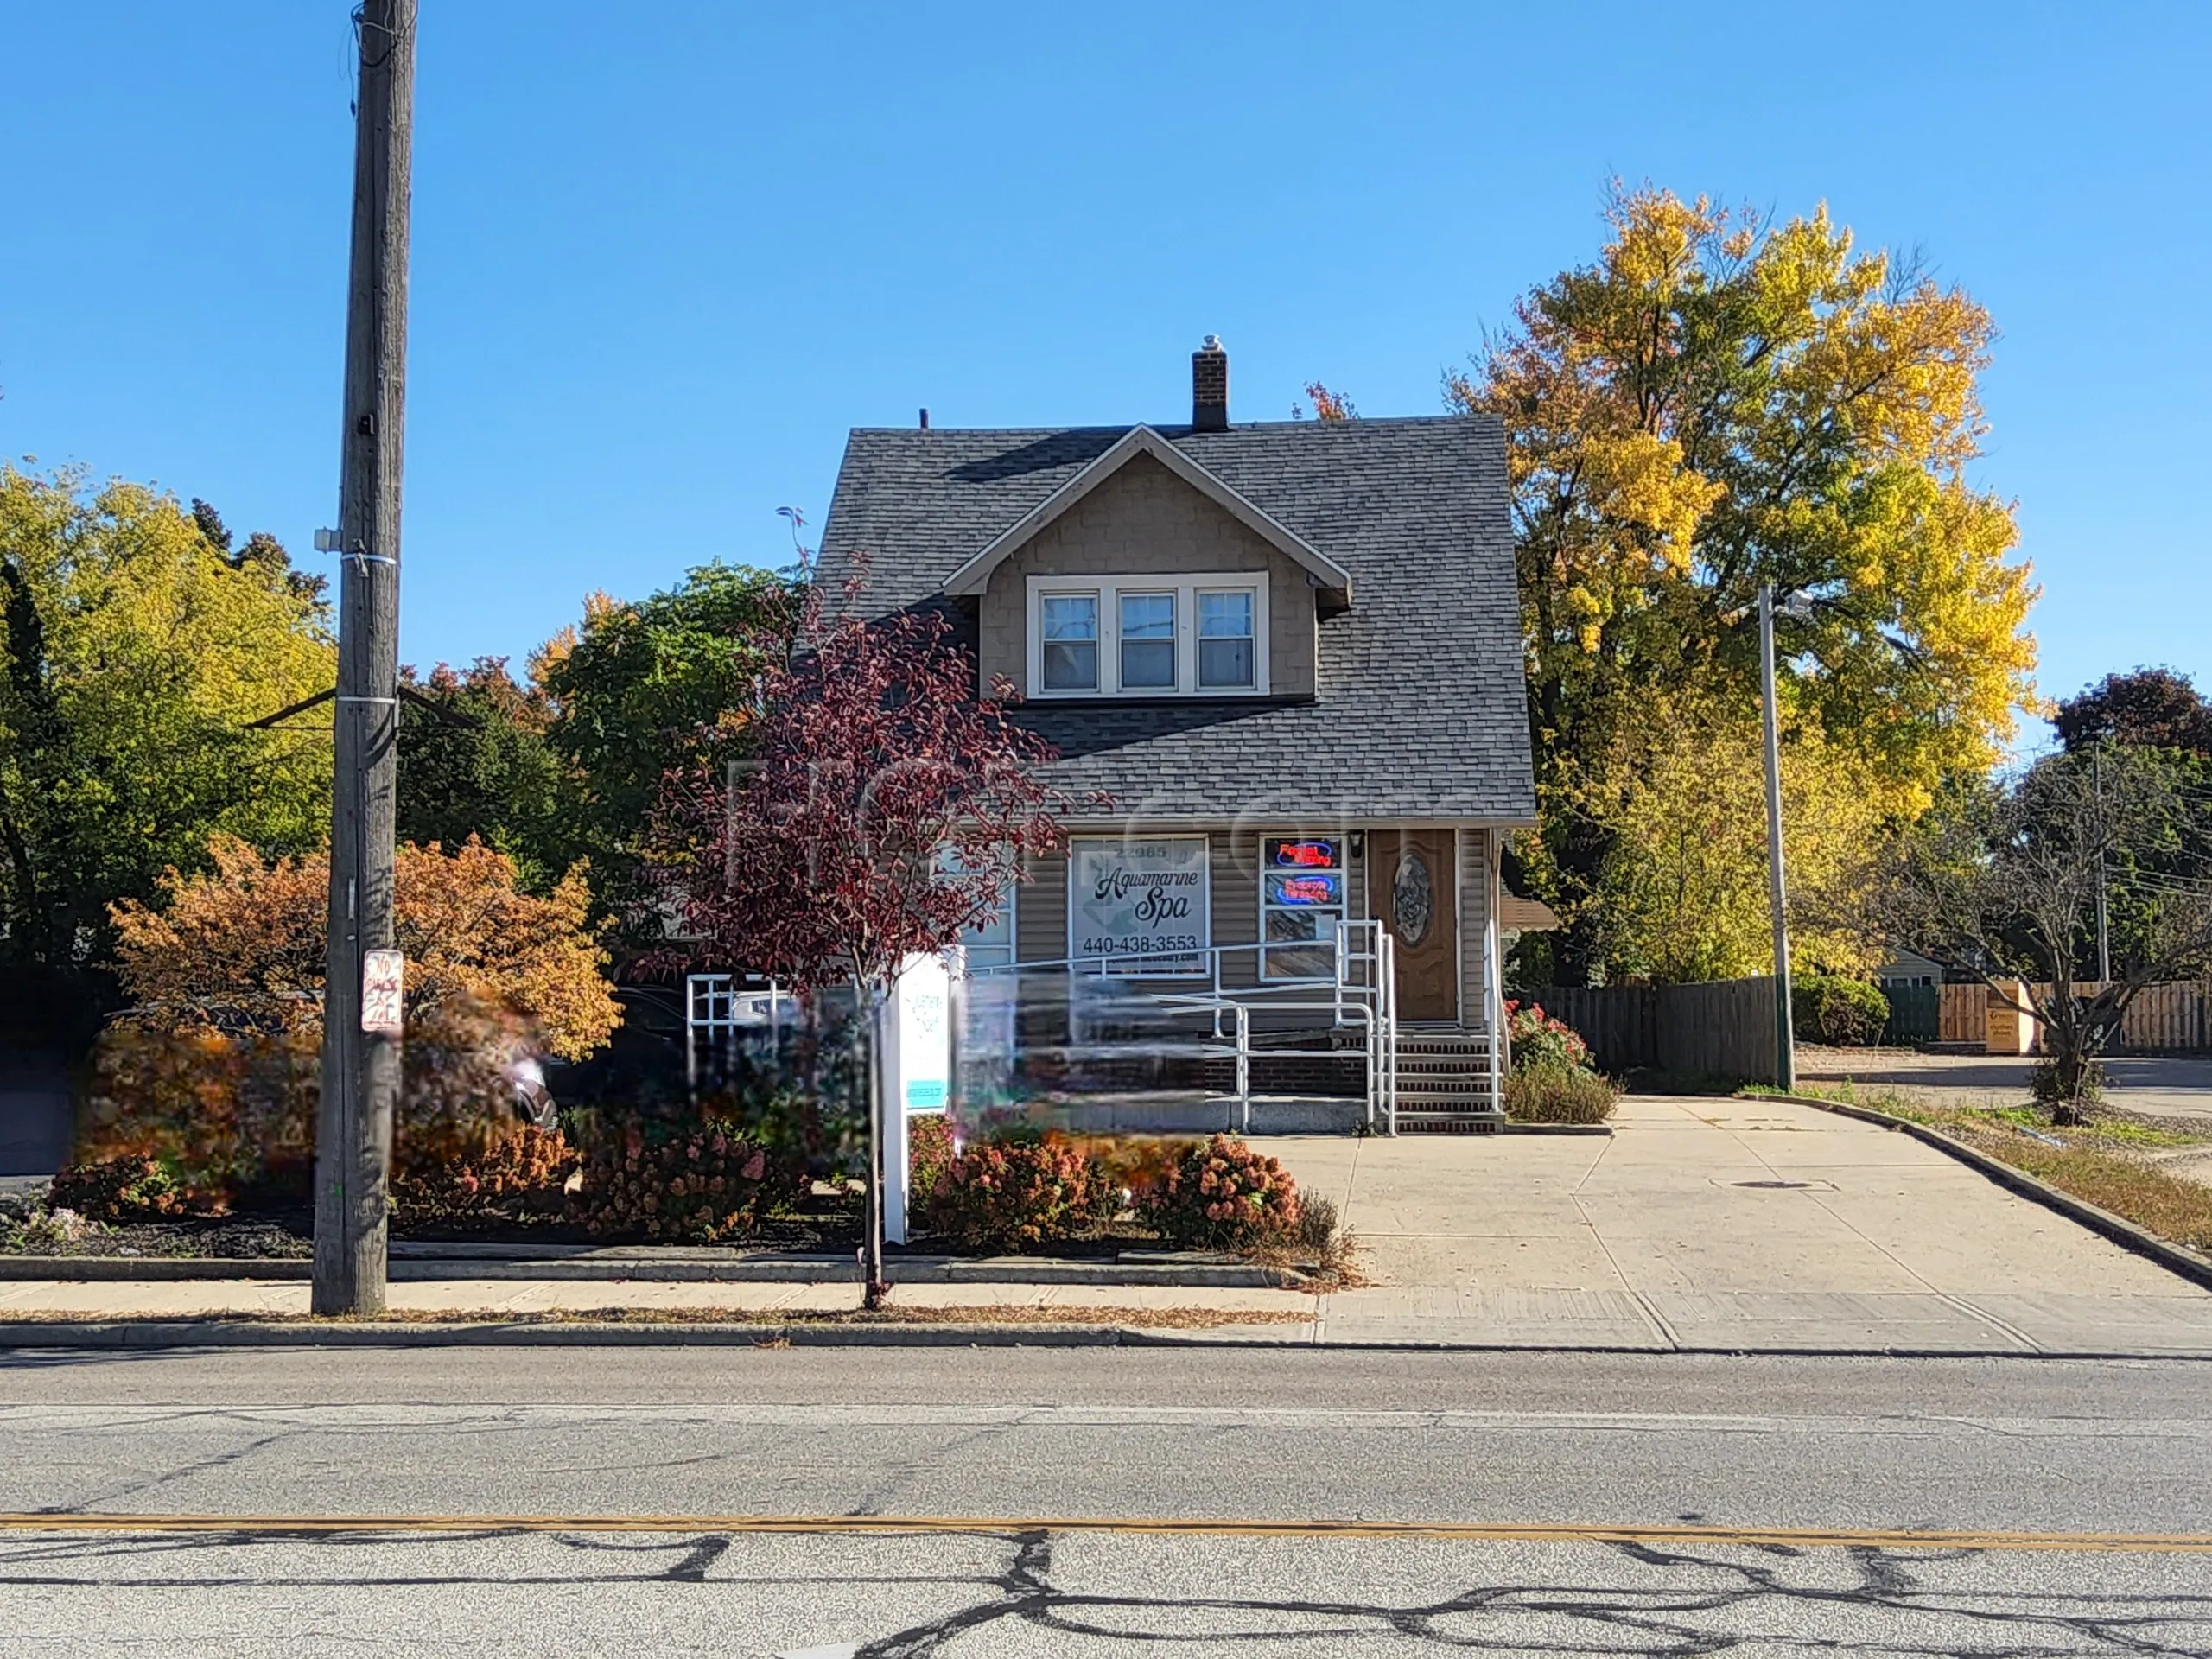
(1370, 1004)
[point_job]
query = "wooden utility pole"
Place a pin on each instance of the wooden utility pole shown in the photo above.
(360, 1069)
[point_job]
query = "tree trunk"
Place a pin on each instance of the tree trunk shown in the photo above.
(1578, 851)
(875, 1291)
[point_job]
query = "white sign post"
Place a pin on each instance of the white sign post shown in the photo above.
(915, 1035)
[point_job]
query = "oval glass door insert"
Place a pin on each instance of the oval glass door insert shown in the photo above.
(1412, 900)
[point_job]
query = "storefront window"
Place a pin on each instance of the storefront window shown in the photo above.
(1301, 900)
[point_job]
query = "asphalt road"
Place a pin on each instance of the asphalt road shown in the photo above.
(1019, 1437)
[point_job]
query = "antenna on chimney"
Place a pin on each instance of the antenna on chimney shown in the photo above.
(926, 420)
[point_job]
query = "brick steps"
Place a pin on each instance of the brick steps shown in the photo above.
(1444, 1084)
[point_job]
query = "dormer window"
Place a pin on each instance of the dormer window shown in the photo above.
(1071, 642)
(1225, 623)
(1149, 636)
(1148, 641)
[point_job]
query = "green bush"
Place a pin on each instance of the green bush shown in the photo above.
(1546, 1092)
(1536, 1039)
(1220, 1194)
(1005, 1196)
(1834, 1009)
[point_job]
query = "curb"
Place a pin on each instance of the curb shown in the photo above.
(671, 1267)
(112, 1335)
(2121, 1231)
(151, 1335)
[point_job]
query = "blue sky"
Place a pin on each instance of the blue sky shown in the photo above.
(666, 253)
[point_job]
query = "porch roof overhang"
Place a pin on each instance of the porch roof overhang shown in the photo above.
(972, 577)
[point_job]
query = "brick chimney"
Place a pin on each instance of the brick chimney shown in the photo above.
(1210, 386)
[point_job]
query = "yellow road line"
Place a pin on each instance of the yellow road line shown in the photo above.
(1475, 1532)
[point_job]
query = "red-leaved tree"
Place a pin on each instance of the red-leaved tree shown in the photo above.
(883, 807)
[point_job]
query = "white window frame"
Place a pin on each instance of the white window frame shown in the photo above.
(980, 948)
(1197, 642)
(1186, 587)
(971, 939)
(1341, 870)
(1101, 635)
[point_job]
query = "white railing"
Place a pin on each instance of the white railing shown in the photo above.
(1360, 993)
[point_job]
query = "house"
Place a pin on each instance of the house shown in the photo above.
(1289, 652)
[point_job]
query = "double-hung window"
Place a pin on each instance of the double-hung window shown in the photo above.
(1147, 629)
(1225, 638)
(1149, 636)
(1301, 901)
(1071, 641)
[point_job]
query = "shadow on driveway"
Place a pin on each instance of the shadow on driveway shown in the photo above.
(2165, 1085)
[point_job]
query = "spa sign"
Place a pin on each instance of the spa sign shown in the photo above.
(1140, 905)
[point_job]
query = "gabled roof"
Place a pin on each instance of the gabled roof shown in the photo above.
(1141, 439)
(1419, 709)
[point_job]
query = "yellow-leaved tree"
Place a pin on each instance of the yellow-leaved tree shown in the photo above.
(1717, 403)
(1683, 895)
(136, 651)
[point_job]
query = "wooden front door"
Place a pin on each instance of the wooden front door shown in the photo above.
(1412, 888)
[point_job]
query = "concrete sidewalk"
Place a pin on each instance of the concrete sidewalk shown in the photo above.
(1708, 1224)
(1718, 1223)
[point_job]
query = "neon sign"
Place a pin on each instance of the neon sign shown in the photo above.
(1304, 855)
(1318, 888)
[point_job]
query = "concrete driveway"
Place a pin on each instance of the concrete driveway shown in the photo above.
(1730, 1224)
(2164, 1086)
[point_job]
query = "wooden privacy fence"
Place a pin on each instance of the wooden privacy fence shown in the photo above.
(1963, 1015)
(2167, 1017)
(2177, 1014)
(1722, 1028)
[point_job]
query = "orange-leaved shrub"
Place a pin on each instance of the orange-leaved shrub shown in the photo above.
(696, 1184)
(1220, 1194)
(1003, 1196)
(224, 1116)
(229, 1117)
(519, 1171)
(242, 947)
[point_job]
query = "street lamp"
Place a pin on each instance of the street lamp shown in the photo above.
(1785, 1037)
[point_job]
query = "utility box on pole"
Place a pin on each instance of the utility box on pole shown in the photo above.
(360, 1056)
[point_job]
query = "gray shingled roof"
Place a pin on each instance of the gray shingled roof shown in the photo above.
(1419, 710)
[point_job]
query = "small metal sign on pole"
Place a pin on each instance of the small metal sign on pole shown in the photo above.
(384, 978)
